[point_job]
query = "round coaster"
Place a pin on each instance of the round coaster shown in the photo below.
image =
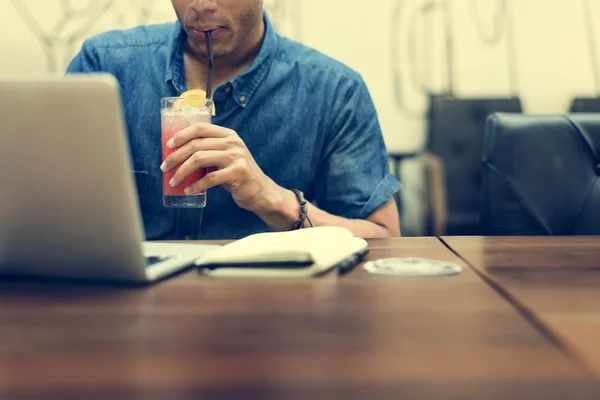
(412, 267)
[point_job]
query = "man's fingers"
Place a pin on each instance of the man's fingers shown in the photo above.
(195, 131)
(180, 155)
(197, 161)
(210, 180)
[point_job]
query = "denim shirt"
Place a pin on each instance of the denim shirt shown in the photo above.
(308, 121)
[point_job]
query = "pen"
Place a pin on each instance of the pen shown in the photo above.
(348, 265)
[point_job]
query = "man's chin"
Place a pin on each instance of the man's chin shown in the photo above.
(219, 51)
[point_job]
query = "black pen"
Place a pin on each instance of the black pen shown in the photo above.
(348, 264)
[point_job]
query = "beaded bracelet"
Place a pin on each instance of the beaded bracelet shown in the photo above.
(303, 211)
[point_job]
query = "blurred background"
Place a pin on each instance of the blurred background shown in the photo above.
(436, 70)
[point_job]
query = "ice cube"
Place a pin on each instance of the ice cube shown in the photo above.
(189, 111)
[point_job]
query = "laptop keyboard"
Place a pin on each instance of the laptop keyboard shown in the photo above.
(153, 260)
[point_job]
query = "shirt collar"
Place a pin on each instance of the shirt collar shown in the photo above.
(243, 86)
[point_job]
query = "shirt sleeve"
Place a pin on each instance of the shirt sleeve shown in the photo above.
(355, 179)
(85, 61)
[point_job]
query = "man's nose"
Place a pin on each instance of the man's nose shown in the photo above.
(204, 6)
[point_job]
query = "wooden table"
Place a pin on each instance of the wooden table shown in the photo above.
(554, 281)
(357, 336)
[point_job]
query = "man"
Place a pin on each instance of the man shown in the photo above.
(289, 121)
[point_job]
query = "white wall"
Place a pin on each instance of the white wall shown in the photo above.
(552, 60)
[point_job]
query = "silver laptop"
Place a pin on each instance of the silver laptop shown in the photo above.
(68, 204)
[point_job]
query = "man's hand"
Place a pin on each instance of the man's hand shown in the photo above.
(205, 145)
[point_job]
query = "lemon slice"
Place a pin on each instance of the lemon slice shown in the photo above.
(193, 97)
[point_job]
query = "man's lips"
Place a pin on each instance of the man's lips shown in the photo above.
(200, 32)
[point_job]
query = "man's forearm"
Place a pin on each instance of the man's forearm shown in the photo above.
(359, 227)
(284, 210)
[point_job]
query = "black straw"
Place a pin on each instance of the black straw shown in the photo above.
(211, 64)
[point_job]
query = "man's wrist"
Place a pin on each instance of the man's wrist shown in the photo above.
(280, 209)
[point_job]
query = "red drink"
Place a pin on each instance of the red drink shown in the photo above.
(173, 121)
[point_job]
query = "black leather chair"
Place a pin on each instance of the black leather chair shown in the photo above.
(455, 134)
(541, 175)
(585, 105)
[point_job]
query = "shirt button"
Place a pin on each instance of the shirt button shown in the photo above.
(242, 99)
(228, 89)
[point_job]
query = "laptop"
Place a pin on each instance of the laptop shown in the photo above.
(68, 204)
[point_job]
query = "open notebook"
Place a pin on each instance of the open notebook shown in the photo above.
(301, 253)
